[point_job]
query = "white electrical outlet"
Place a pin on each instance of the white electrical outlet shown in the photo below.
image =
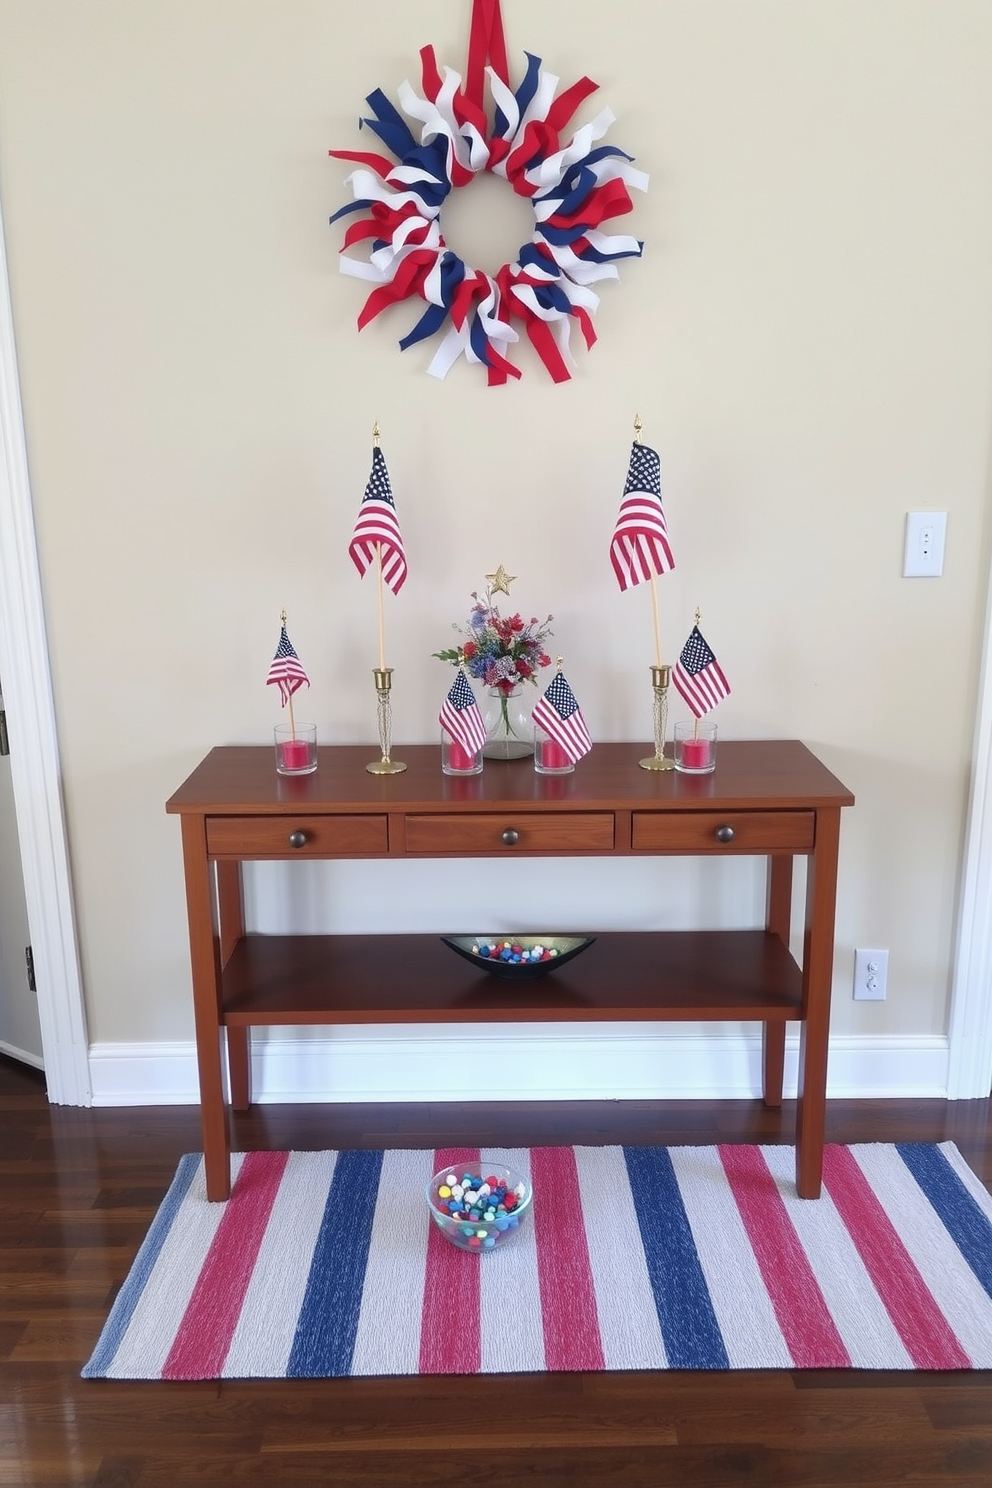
(923, 556)
(871, 971)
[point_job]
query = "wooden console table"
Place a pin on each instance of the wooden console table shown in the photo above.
(773, 799)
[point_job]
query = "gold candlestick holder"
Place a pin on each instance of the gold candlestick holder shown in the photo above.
(660, 678)
(383, 677)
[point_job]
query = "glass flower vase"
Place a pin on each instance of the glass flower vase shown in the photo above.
(509, 733)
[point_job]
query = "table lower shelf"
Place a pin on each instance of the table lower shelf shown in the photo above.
(671, 976)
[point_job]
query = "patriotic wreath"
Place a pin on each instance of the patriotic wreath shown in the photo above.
(573, 189)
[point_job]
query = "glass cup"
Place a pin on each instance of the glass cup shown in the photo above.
(695, 747)
(296, 748)
(550, 758)
(457, 760)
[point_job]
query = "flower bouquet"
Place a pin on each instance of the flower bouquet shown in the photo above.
(501, 652)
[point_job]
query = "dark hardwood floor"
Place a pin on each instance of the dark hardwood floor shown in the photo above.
(80, 1187)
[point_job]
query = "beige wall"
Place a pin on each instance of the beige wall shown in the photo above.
(807, 339)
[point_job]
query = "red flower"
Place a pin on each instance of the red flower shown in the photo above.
(470, 648)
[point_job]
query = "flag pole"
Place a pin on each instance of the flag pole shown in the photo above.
(382, 645)
(695, 720)
(378, 553)
(382, 675)
(289, 700)
(660, 674)
(654, 612)
(638, 429)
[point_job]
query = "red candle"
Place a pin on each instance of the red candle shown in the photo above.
(696, 754)
(295, 754)
(553, 756)
(459, 757)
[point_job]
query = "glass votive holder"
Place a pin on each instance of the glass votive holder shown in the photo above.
(695, 747)
(550, 758)
(296, 748)
(457, 760)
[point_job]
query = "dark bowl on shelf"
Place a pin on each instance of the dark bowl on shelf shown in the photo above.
(561, 948)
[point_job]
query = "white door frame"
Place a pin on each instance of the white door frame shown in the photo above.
(969, 1071)
(34, 756)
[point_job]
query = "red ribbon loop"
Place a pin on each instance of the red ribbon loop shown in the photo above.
(486, 44)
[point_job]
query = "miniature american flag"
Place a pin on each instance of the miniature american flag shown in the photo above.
(557, 712)
(460, 716)
(640, 548)
(698, 676)
(286, 669)
(377, 528)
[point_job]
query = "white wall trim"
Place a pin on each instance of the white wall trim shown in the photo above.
(34, 757)
(23, 1056)
(969, 1075)
(552, 1065)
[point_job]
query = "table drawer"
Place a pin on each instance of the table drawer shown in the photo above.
(723, 831)
(492, 835)
(296, 836)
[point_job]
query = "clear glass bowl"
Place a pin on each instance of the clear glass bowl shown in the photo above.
(479, 1234)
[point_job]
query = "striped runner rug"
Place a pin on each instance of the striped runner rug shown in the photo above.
(325, 1264)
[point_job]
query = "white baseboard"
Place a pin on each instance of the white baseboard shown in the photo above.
(542, 1063)
(21, 1055)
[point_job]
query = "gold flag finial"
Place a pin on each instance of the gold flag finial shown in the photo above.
(282, 616)
(638, 428)
(375, 434)
(500, 581)
(697, 614)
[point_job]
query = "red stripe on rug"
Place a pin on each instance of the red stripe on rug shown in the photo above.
(922, 1326)
(204, 1336)
(564, 1275)
(810, 1332)
(450, 1320)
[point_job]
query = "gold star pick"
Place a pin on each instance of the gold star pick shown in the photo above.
(500, 581)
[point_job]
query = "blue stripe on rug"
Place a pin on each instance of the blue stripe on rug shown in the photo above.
(325, 1331)
(134, 1284)
(682, 1300)
(962, 1218)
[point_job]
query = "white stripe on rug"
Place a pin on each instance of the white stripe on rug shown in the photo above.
(161, 1306)
(859, 1313)
(740, 1298)
(628, 1318)
(510, 1302)
(388, 1336)
(266, 1326)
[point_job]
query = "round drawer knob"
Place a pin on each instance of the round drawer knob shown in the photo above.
(511, 836)
(297, 839)
(725, 834)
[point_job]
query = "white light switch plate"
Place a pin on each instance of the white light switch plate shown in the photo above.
(923, 556)
(871, 974)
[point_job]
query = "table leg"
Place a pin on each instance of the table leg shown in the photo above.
(772, 1062)
(231, 926)
(239, 1066)
(205, 967)
(230, 907)
(778, 921)
(818, 961)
